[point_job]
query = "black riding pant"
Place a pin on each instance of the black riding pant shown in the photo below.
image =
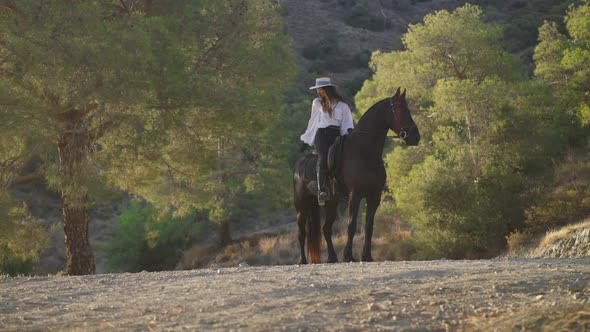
(324, 138)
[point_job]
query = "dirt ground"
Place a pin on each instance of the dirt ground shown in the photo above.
(483, 295)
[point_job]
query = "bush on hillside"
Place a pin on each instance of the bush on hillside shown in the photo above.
(360, 17)
(566, 201)
(325, 47)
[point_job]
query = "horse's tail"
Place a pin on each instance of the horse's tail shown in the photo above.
(314, 235)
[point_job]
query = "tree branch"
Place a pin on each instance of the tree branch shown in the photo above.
(172, 168)
(460, 73)
(27, 178)
(124, 7)
(205, 56)
(74, 114)
(10, 168)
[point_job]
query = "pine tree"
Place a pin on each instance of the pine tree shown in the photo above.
(134, 95)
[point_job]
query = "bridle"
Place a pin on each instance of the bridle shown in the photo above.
(403, 133)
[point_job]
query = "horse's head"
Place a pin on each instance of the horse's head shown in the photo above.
(401, 121)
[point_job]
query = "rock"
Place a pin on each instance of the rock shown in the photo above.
(215, 266)
(578, 285)
(244, 264)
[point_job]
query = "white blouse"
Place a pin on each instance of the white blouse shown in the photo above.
(341, 117)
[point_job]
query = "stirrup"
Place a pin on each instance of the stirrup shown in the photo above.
(322, 198)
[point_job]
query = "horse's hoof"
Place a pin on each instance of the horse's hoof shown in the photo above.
(347, 259)
(303, 262)
(332, 260)
(368, 259)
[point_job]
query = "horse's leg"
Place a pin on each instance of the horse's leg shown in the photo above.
(373, 202)
(331, 214)
(353, 209)
(302, 216)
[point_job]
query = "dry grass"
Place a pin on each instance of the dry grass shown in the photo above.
(394, 246)
(196, 257)
(555, 235)
(518, 241)
(267, 245)
(267, 250)
(391, 242)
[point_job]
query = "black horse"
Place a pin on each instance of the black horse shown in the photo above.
(359, 171)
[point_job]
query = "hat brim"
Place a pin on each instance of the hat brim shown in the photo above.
(321, 86)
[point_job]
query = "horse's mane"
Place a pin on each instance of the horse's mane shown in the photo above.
(371, 111)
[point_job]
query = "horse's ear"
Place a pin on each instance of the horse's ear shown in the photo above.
(397, 92)
(403, 96)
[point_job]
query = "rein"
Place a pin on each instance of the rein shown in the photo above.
(402, 135)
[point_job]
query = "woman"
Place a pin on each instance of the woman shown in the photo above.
(330, 117)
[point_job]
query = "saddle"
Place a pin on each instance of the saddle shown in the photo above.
(306, 168)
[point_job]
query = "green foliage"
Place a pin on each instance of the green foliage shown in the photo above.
(447, 45)
(146, 241)
(207, 69)
(548, 54)
(465, 197)
(487, 134)
(563, 61)
(22, 238)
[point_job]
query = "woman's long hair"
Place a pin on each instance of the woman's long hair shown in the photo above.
(331, 94)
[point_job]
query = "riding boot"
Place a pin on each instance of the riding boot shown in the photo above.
(323, 192)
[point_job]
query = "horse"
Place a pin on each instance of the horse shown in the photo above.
(361, 174)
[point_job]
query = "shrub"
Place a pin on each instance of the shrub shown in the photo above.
(327, 46)
(360, 17)
(145, 241)
(518, 240)
(455, 217)
(21, 240)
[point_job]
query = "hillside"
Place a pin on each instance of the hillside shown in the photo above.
(339, 35)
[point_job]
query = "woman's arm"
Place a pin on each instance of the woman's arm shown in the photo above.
(309, 134)
(347, 122)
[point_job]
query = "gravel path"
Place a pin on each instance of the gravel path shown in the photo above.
(487, 295)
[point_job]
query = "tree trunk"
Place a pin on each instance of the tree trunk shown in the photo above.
(80, 259)
(224, 235)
